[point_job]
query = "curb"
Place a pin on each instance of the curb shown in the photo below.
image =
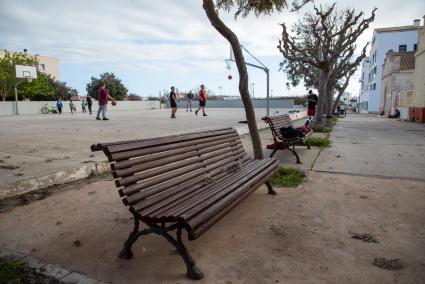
(61, 177)
(47, 269)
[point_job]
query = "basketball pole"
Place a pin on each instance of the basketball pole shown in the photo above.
(262, 67)
(16, 95)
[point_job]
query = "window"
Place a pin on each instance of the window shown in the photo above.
(402, 48)
(415, 47)
(42, 67)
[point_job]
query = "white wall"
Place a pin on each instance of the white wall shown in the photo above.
(24, 107)
(385, 41)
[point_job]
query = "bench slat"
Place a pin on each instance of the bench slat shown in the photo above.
(166, 140)
(165, 200)
(104, 146)
(198, 231)
(243, 186)
(193, 161)
(202, 194)
(214, 196)
(153, 161)
(173, 146)
(176, 179)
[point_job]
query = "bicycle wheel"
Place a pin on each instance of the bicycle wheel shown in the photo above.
(44, 110)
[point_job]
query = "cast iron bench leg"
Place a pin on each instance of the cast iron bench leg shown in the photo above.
(126, 252)
(193, 272)
(307, 144)
(274, 151)
(295, 153)
(270, 188)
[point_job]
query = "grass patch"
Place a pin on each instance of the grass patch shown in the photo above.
(17, 272)
(322, 129)
(319, 141)
(288, 177)
(334, 119)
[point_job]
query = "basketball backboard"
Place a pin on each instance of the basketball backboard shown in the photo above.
(26, 72)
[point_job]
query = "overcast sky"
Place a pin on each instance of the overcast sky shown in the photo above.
(152, 45)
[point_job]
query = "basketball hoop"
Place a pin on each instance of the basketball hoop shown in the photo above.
(26, 74)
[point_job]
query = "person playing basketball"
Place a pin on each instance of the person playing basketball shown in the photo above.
(202, 100)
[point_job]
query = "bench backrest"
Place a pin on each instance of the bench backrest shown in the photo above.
(151, 168)
(276, 122)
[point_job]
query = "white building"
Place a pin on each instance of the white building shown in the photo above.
(345, 98)
(398, 39)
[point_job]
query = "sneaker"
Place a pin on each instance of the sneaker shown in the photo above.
(98, 118)
(105, 118)
(205, 114)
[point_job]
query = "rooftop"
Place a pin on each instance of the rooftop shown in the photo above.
(397, 29)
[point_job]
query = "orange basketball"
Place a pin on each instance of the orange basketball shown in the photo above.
(114, 103)
(229, 77)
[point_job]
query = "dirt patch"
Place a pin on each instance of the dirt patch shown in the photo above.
(9, 204)
(296, 236)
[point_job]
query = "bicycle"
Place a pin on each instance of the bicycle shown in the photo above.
(342, 113)
(46, 108)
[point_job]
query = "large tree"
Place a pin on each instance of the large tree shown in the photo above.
(321, 53)
(7, 70)
(115, 86)
(244, 8)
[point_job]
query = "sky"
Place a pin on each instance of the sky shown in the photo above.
(152, 45)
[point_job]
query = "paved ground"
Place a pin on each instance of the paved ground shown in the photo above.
(37, 145)
(370, 145)
(301, 235)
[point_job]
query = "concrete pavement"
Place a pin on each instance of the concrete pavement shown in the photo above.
(42, 150)
(375, 146)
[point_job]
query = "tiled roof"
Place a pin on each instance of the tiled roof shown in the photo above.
(407, 60)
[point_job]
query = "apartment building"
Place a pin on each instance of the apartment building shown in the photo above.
(398, 39)
(417, 108)
(397, 76)
(47, 64)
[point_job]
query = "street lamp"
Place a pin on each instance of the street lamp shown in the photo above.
(271, 93)
(252, 87)
(220, 87)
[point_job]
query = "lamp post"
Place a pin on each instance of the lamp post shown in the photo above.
(252, 87)
(220, 87)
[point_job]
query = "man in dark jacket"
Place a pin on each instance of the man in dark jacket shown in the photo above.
(89, 103)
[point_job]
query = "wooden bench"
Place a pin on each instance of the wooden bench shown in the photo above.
(187, 181)
(281, 143)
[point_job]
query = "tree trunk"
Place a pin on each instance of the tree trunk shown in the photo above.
(322, 100)
(230, 36)
(335, 104)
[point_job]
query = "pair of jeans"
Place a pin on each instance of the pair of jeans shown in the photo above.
(103, 109)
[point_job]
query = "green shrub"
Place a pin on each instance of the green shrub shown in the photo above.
(319, 141)
(10, 270)
(288, 177)
(321, 129)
